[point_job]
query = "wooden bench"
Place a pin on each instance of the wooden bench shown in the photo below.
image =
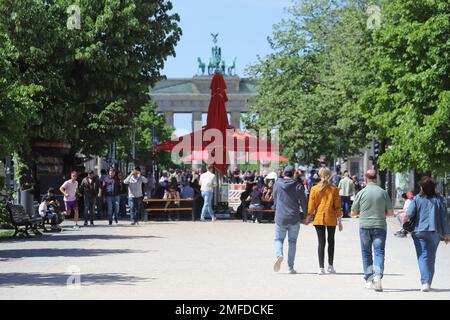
(267, 211)
(22, 221)
(159, 205)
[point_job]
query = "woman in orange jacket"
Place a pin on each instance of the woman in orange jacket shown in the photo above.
(325, 206)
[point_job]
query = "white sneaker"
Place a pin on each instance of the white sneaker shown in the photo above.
(277, 264)
(202, 220)
(331, 269)
(321, 271)
(213, 219)
(425, 287)
(369, 284)
(377, 284)
(76, 227)
(292, 271)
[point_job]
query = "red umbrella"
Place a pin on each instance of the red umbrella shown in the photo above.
(218, 135)
(197, 155)
(264, 156)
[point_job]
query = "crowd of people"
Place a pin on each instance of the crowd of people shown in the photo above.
(296, 196)
(427, 213)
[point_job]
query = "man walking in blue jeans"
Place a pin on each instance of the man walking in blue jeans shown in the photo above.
(289, 196)
(207, 184)
(372, 204)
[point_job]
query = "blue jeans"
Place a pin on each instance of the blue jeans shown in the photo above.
(426, 243)
(207, 206)
(135, 208)
(255, 206)
(376, 238)
(280, 234)
(345, 200)
(112, 203)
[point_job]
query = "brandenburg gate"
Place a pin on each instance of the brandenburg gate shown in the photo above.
(192, 95)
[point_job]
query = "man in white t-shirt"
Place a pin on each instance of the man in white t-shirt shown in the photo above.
(69, 190)
(207, 184)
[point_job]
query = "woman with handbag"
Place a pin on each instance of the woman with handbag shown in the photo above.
(325, 205)
(427, 220)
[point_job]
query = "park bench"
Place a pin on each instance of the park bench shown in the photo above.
(22, 221)
(159, 205)
(267, 212)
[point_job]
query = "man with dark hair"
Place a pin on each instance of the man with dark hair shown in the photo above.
(111, 190)
(207, 184)
(372, 204)
(289, 197)
(89, 188)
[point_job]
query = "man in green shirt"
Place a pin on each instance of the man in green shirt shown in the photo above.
(372, 204)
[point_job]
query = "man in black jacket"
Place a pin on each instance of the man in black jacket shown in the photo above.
(89, 189)
(289, 197)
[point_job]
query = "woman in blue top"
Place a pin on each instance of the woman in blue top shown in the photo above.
(431, 226)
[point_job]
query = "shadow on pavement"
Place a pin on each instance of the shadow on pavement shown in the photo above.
(46, 252)
(415, 290)
(60, 279)
(76, 236)
(350, 274)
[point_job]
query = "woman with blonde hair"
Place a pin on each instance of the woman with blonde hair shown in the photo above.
(325, 206)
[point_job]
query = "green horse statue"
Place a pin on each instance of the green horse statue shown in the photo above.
(201, 66)
(232, 68)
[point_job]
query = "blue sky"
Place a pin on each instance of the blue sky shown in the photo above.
(243, 27)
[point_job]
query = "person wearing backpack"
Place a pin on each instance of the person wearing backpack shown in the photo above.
(430, 225)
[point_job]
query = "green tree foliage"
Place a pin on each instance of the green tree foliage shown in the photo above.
(16, 104)
(330, 79)
(145, 124)
(94, 80)
(410, 108)
(308, 86)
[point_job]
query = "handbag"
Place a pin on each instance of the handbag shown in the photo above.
(410, 224)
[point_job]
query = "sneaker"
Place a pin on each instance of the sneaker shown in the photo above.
(369, 284)
(133, 223)
(321, 271)
(400, 234)
(292, 271)
(213, 219)
(377, 284)
(425, 287)
(76, 227)
(277, 264)
(202, 220)
(331, 269)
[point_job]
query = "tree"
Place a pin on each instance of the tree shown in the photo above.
(16, 104)
(410, 108)
(147, 122)
(94, 80)
(308, 86)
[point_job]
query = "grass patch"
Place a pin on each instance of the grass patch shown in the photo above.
(5, 234)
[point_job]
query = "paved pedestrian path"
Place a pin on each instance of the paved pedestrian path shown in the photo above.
(194, 260)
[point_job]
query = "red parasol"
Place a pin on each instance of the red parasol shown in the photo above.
(218, 135)
(264, 156)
